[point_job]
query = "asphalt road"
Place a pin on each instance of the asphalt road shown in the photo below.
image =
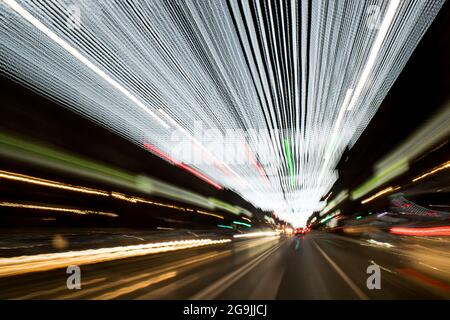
(315, 266)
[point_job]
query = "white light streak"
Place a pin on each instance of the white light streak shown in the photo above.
(49, 261)
(74, 52)
(377, 45)
(257, 234)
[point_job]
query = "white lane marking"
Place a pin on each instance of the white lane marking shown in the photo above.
(297, 244)
(135, 286)
(427, 265)
(140, 277)
(225, 282)
(268, 287)
(56, 290)
(361, 295)
(383, 268)
(156, 294)
(169, 290)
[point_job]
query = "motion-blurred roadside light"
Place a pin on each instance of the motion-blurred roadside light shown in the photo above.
(242, 224)
(59, 242)
(50, 261)
(257, 234)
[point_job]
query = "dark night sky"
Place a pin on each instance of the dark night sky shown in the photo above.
(422, 89)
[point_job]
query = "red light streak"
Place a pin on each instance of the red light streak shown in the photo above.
(256, 164)
(215, 162)
(200, 175)
(161, 154)
(427, 280)
(431, 231)
(182, 165)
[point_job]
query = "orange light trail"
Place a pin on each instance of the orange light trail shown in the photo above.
(430, 231)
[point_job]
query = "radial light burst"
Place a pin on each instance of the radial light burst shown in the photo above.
(294, 83)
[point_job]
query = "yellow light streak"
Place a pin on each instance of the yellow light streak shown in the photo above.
(380, 193)
(49, 183)
(123, 197)
(210, 214)
(443, 166)
(116, 195)
(57, 209)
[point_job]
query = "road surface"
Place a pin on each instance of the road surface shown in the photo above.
(314, 266)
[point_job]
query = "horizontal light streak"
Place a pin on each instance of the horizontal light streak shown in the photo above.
(22, 149)
(165, 228)
(49, 183)
(50, 261)
(224, 226)
(56, 209)
(257, 234)
(210, 214)
(117, 195)
(380, 178)
(200, 175)
(443, 166)
(330, 216)
(340, 197)
(182, 165)
(396, 163)
(242, 224)
(379, 194)
(123, 197)
(161, 154)
(430, 231)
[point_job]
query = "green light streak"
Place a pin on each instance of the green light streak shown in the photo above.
(224, 226)
(331, 216)
(287, 149)
(224, 206)
(358, 218)
(25, 150)
(243, 224)
(382, 176)
(326, 219)
(38, 153)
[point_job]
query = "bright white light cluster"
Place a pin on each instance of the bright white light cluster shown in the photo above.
(310, 73)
